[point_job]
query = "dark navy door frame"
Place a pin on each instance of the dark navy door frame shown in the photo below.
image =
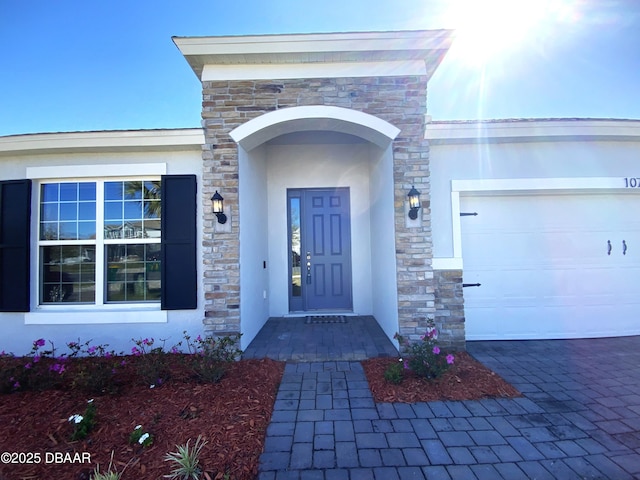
(319, 233)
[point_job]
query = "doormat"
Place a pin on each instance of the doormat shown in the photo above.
(319, 319)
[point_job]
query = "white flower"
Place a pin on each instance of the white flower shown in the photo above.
(90, 401)
(76, 418)
(152, 386)
(138, 427)
(143, 438)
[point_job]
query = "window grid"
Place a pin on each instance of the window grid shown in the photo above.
(79, 270)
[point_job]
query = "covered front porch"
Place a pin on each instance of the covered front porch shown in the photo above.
(321, 339)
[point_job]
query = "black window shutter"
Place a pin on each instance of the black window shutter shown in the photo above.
(15, 229)
(179, 268)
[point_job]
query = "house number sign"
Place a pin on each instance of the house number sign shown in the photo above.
(631, 182)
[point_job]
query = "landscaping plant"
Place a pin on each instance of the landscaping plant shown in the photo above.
(425, 358)
(186, 460)
(83, 424)
(95, 367)
(152, 363)
(210, 357)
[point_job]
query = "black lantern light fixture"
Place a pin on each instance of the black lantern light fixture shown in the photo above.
(218, 207)
(414, 203)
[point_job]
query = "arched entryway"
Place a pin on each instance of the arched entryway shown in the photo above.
(323, 156)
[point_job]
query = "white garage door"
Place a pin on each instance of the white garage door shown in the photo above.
(544, 266)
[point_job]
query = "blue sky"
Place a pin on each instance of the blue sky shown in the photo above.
(76, 65)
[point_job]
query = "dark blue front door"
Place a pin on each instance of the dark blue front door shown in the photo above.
(320, 241)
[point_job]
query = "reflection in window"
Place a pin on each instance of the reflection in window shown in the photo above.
(115, 261)
(68, 274)
(133, 272)
(68, 211)
(132, 209)
(296, 279)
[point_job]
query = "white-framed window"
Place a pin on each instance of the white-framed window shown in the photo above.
(99, 241)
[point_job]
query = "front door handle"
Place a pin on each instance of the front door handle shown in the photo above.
(608, 247)
(624, 247)
(308, 268)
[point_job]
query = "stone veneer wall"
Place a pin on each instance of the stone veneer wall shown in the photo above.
(450, 308)
(400, 101)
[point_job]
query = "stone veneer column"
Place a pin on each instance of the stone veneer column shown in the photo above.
(400, 101)
(450, 308)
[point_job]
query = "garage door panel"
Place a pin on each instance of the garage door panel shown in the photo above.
(543, 266)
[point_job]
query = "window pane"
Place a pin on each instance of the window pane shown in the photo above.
(113, 191)
(68, 192)
(68, 231)
(49, 192)
(49, 212)
(68, 274)
(87, 191)
(133, 273)
(68, 211)
(152, 228)
(152, 209)
(296, 279)
(132, 210)
(87, 211)
(113, 211)
(132, 190)
(112, 230)
(86, 230)
(48, 231)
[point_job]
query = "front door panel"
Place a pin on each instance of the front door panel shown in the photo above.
(324, 267)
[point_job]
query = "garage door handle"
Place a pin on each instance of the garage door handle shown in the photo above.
(608, 247)
(624, 247)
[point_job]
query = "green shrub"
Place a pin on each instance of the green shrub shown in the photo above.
(425, 358)
(211, 357)
(394, 373)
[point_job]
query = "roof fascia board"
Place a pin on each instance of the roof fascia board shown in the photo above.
(429, 46)
(103, 141)
(443, 133)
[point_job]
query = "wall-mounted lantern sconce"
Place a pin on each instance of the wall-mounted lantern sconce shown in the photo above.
(414, 203)
(218, 207)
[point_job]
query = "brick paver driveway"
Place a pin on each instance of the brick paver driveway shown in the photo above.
(579, 418)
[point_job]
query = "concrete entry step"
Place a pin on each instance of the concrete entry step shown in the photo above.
(295, 339)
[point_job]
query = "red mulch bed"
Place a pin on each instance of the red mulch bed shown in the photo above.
(231, 415)
(467, 379)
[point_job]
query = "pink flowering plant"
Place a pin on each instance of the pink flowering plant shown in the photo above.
(152, 362)
(210, 357)
(38, 370)
(95, 367)
(425, 358)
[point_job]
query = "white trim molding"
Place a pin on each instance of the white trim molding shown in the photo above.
(286, 71)
(531, 130)
(318, 117)
(97, 171)
(452, 263)
(104, 141)
(94, 316)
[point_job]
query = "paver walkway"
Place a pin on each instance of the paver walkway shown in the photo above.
(579, 419)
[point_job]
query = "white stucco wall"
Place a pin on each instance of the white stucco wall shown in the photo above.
(384, 285)
(535, 158)
(254, 242)
(82, 322)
